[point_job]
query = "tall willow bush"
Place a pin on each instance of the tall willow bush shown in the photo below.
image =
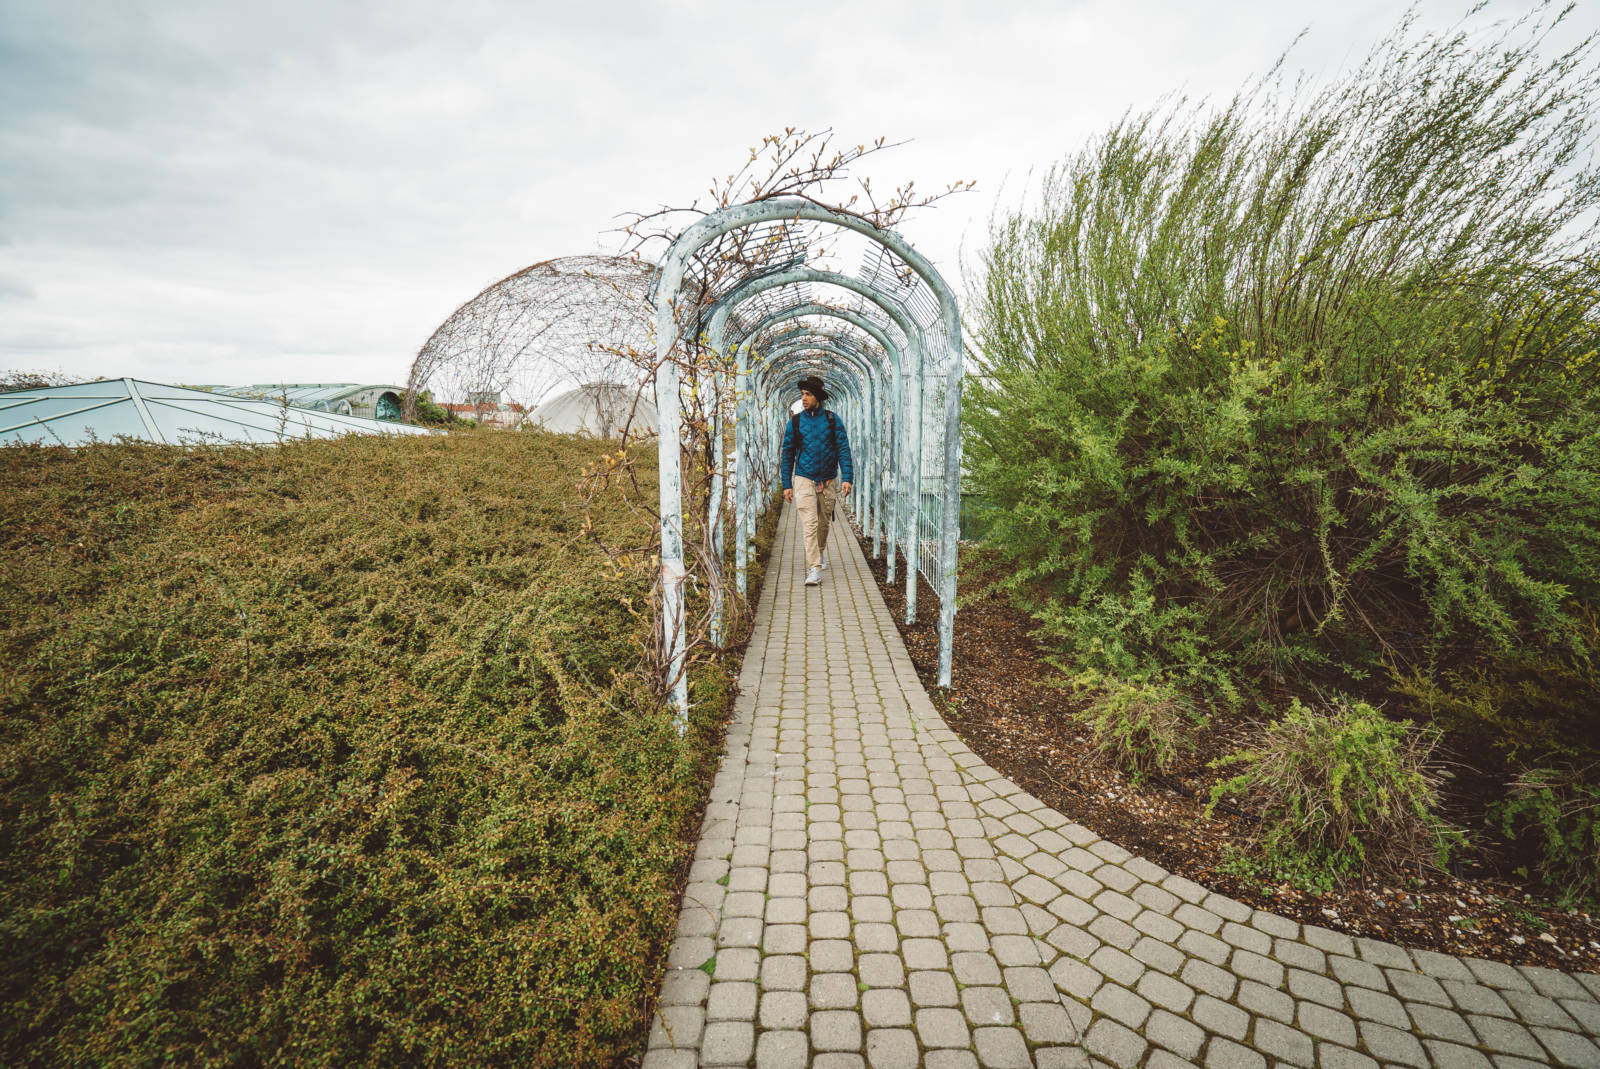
(1305, 388)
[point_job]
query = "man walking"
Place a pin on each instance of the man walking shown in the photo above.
(815, 449)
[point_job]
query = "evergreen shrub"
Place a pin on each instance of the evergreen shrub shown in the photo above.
(1304, 391)
(1141, 726)
(328, 754)
(1340, 790)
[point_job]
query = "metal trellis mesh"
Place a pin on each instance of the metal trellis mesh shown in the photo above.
(562, 323)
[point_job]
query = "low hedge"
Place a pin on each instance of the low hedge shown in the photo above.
(328, 754)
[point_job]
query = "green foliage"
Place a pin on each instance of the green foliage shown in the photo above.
(1559, 808)
(431, 413)
(1141, 726)
(1308, 389)
(1338, 790)
(329, 754)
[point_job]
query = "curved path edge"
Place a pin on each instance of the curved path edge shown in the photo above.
(868, 891)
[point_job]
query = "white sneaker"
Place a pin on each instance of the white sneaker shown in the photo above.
(824, 564)
(814, 577)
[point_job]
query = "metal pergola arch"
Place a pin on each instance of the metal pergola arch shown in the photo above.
(879, 388)
(673, 269)
(915, 341)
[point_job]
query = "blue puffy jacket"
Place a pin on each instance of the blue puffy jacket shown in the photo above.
(823, 450)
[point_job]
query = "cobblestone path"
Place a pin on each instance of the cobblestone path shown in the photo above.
(867, 891)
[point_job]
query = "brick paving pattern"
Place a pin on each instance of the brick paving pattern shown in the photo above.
(868, 892)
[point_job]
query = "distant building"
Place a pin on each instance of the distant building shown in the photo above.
(490, 414)
(343, 398)
(600, 410)
(87, 412)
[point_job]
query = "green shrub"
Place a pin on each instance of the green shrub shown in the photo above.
(1141, 726)
(1339, 790)
(1559, 809)
(1307, 389)
(328, 754)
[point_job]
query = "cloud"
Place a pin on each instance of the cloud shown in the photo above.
(189, 189)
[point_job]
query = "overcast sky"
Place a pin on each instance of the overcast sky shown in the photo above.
(300, 191)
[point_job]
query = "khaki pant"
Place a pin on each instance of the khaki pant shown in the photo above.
(815, 502)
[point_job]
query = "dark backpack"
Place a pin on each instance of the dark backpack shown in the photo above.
(833, 432)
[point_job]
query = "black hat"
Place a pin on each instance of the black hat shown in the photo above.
(813, 385)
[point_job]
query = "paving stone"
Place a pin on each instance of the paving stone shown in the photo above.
(1265, 1001)
(731, 1002)
(1227, 908)
(1204, 947)
(1552, 983)
(833, 991)
(1377, 1007)
(1306, 985)
(1113, 963)
(874, 937)
(1226, 1054)
(1392, 1045)
(1248, 965)
(1360, 973)
(932, 989)
(1167, 1060)
(831, 955)
(1165, 991)
(1414, 987)
(1245, 938)
(1325, 1023)
(1537, 1009)
(1568, 1048)
(1110, 930)
(1046, 1022)
(892, 1048)
(1474, 997)
(1205, 977)
(1298, 955)
(835, 1030)
(942, 1028)
(886, 1008)
(783, 1009)
(1284, 1043)
(1121, 1005)
(950, 1059)
(1505, 1037)
(1441, 1053)
(1440, 1023)
(1158, 955)
(1585, 1012)
(1498, 974)
(1216, 1016)
(974, 968)
(1117, 1045)
(1332, 1057)
(1180, 1036)
(881, 970)
(1201, 920)
(987, 1006)
(1385, 954)
(666, 1058)
(1072, 941)
(728, 1043)
(739, 963)
(1185, 888)
(677, 1026)
(1076, 979)
(1029, 983)
(684, 987)
(1001, 1048)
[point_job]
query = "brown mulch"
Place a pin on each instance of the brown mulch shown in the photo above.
(1004, 708)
